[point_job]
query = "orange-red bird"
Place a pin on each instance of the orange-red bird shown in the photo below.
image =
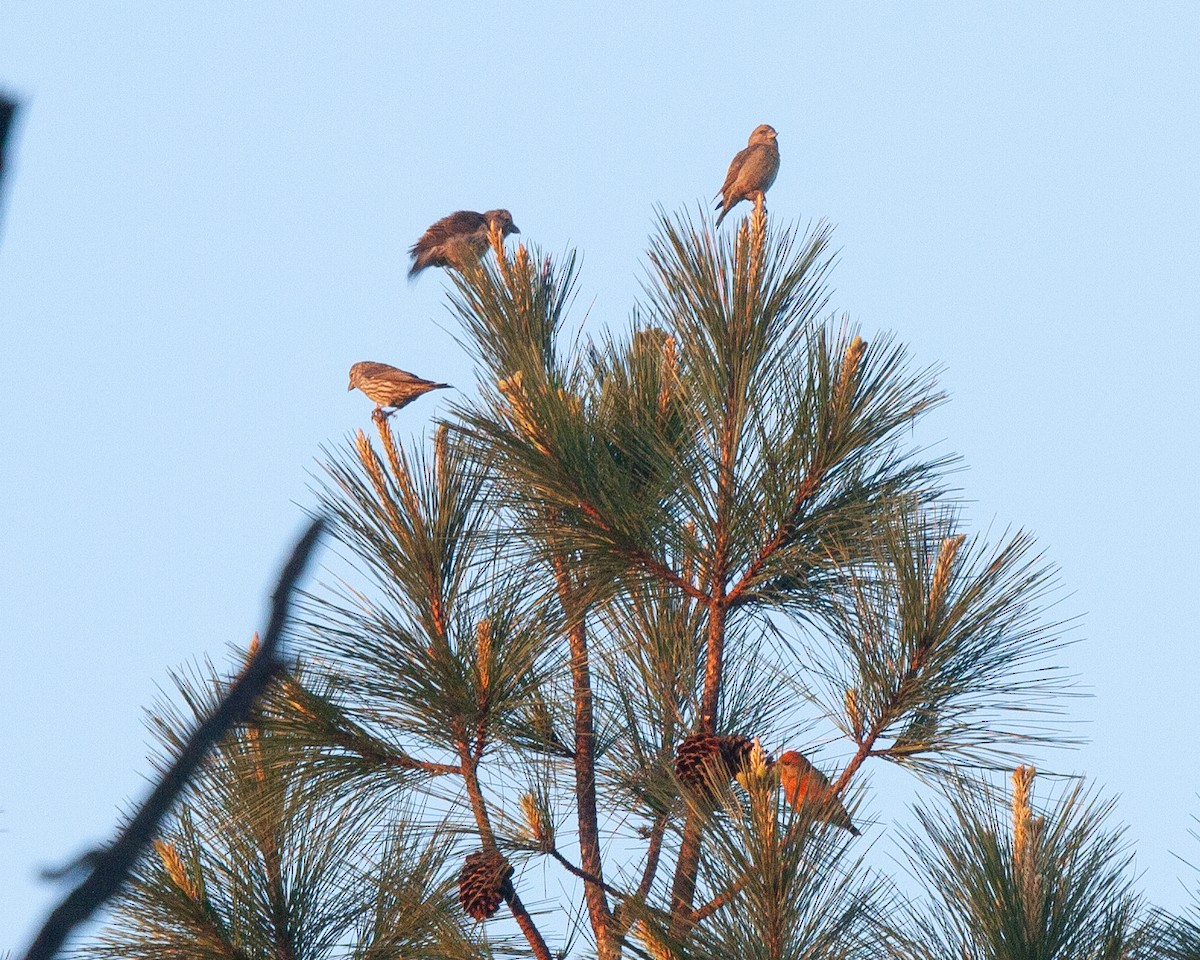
(805, 785)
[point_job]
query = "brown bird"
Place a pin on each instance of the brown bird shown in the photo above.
(458, 239)
(752, 171)
(389, 386)
(806, 786)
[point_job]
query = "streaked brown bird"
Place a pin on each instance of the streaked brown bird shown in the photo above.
(752, 171)
(806, 786)
(458, 239)
(389, 386)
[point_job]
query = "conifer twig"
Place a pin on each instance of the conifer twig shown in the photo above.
(643, 558)
(344, 733)
(621, 917)
(487, 836)
(842, 392)
(583, 874)
(584, 762)
(666, 574)
(110, 867)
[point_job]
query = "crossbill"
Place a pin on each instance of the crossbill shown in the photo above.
(804, 786)
(460, 238)
(389, 386)
(752, 171)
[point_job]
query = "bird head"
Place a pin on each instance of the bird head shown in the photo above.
(355, 376)
(503, 220)
(763, 133)
(797, 762)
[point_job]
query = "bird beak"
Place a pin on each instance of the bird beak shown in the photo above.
(514, 228)
(349, 388)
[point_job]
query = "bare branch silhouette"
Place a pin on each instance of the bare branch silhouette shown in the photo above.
(110, 867)
(8, 114)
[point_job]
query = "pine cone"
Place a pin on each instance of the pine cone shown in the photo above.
(735, 752)
(483, 882)
(702, 756)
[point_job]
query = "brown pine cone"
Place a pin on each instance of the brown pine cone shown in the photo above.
(483, 882)
(701, 753)
(735, 752)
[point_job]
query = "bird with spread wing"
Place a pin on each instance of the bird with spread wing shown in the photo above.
(458, 239)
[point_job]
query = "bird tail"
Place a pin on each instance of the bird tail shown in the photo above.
(836, 814)
(420, 260)
(722, 216)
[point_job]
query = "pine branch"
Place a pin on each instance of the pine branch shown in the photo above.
(1020, 885)
(584, 762)
(295, 709)
(589, 878)
(739, 593)
(640, 557)
(470, 772)
(653, 853)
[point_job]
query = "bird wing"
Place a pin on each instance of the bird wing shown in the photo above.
(396, 375)
(758, 169)
(369, 368)
(735, 167)
(456, 225)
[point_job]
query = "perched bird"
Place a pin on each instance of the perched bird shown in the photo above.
(752, 171)
(804, 785)
(458, 239)
(388, 386)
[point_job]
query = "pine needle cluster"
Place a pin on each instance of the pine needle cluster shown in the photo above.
(707, 536)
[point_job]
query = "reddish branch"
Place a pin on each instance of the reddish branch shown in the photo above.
(808, 487)
(536, 943)
(666, 574)
(653, 853)
(703, 913)
(585, 764)
(356, 741)
(583, 874)
(624, 920)
(713, 664)
(487, 837)
(864, 750)
(644, 559)
(470, 773)
(683, 887)
(392, 758)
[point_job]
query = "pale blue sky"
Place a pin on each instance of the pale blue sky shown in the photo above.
(207, 222)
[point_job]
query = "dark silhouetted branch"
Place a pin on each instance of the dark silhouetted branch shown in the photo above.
(110, 867)
(8, 113)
